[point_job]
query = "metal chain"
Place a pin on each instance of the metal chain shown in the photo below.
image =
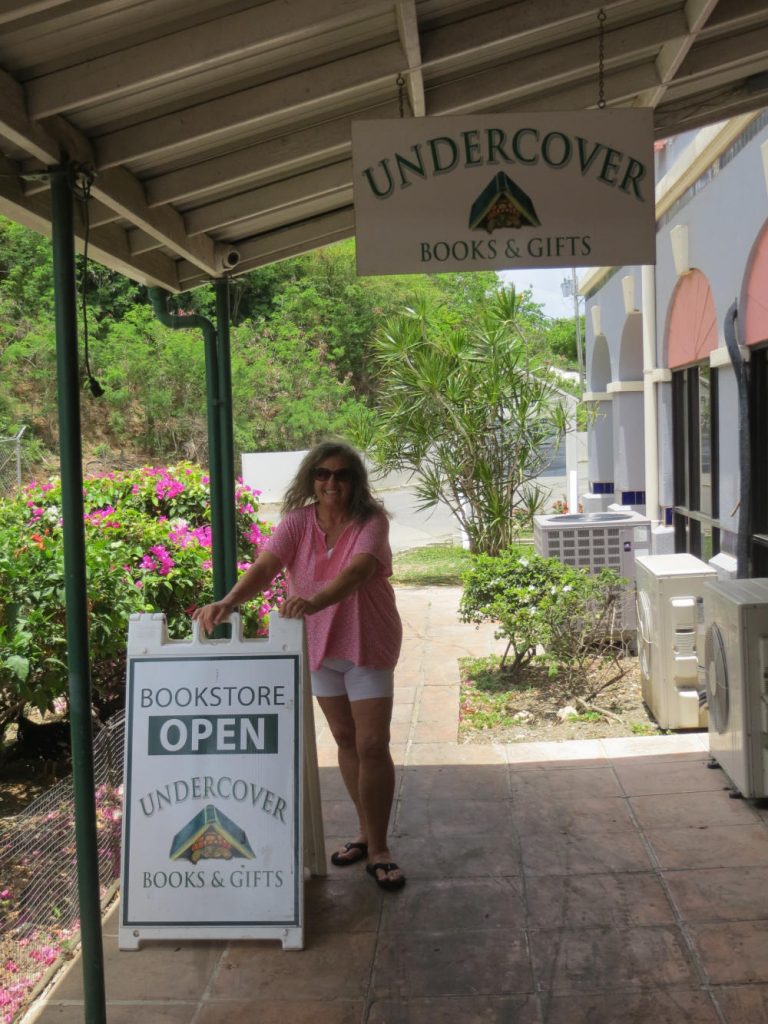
(83, 180)
(400, 82)
(601, 17)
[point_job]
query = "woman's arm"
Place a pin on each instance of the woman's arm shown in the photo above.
(361, 568)
(252, 582)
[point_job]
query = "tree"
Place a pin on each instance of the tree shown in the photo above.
(469, 411)
(148, 548)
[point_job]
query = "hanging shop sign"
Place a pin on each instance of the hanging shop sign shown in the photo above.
(212, 832)
(505, 191)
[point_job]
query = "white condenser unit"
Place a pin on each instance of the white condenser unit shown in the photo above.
(735, 666)
(670, 609)
(595, 541)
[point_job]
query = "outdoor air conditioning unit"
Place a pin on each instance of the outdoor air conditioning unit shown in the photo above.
(736, 673)
(595, 541)
(670, 608)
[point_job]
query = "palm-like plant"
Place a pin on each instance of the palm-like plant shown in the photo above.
(470, 412)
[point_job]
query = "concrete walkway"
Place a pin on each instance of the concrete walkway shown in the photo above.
(590, 882)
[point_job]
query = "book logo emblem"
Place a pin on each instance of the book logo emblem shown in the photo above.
(211, 835)
(502, 204)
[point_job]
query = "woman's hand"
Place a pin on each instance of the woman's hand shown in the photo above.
(210, 615)
(361, 568)
(297, 608)
(254, 580)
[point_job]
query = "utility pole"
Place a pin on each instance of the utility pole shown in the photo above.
(570, 286)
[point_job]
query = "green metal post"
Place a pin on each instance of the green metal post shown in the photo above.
(159, 299)
(227, 440)
(78, 665)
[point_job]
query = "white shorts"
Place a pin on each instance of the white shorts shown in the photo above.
(339, 678)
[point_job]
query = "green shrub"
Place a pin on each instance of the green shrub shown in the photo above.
(544, 609)
(148, 548)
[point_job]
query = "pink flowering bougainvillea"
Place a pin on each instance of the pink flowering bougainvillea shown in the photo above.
(148, 548)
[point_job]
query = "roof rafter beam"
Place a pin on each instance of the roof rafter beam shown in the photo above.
(540, 73)
(124, 193)
(50, 140)
(16, 126)
(281, 194)
(262, 162)
(705, 108)
(299, 237)
(310, 92)
(487, 33)
(299, 95)
(408, 28)
(620, 85)
(254, 262)
(191, 51)
(108, 245)
(724, 55)
(13, 10)
(674, 51)
(299, 212)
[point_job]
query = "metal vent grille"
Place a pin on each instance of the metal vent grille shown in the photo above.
(685, 642)
(593, 549)
(594, 542)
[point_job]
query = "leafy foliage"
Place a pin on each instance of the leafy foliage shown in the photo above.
(302, 351)
(554, 613)
(147, 549)
(463, 406)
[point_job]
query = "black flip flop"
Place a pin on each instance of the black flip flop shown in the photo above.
(342, 862)
(390, 884)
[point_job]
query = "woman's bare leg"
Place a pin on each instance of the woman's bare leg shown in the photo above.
(376, 774)
(338, 714)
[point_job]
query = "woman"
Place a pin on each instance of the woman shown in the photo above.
(333, 540)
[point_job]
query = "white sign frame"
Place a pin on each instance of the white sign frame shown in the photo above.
(504, 191)
(214, 899)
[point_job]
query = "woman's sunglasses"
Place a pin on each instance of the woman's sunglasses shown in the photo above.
(343, 476)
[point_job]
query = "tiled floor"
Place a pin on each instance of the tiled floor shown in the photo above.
(591, 882)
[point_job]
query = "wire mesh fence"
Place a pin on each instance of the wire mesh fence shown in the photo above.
(11, 459)
(39, 921)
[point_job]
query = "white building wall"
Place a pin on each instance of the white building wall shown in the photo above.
(666, 467)
(724, 214)
(628, 447)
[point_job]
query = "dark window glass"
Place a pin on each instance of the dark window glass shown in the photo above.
(694, 419)
(705, 441)
(758, 414)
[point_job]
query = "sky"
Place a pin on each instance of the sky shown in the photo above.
(545, 286)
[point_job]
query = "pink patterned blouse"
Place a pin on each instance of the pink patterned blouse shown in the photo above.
(365, 627)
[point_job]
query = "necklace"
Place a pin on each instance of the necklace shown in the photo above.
(332, 530)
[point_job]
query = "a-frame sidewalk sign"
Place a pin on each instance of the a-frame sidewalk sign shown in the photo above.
(222, 798)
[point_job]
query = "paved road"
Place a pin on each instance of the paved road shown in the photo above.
(410, 528)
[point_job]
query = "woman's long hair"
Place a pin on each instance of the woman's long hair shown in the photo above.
(301, 491)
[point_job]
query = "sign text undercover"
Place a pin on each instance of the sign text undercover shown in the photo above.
(504, 191)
